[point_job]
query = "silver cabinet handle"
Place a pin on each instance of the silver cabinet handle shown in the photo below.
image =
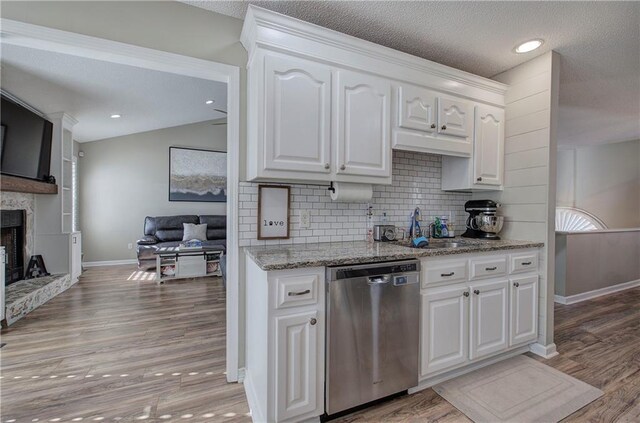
(444, 127)
(479, 178)
(476, 291)
(490, 268)
(343, 167)
(465, 293)
(516, 284)
(526, 263)
(313, 321)
(433, 126)
(293, 294)
(327, 165)
(445, 275)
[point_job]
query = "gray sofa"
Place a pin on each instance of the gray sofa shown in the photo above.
(167, 231)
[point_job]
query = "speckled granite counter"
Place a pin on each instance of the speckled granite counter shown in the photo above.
(279, 257)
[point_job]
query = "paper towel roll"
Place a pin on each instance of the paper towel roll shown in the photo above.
(346, 192)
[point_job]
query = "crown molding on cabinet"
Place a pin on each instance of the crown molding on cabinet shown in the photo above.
(273, 31)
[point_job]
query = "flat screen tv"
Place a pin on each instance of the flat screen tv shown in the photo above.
(25, 141)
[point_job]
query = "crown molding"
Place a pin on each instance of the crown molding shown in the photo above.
(274, 31)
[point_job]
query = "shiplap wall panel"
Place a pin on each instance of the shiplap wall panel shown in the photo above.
(524, 177)
(534, 103)
(527, 123)
(527, 141)
(525, 159)
(528, 87)
(528, 199)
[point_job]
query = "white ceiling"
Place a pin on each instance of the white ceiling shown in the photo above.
(92, 90)
(599, 43)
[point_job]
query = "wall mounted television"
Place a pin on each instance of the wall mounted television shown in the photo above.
(25, 141)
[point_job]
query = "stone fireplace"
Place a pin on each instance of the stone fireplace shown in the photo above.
(13, 229)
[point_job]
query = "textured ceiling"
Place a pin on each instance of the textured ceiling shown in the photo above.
(599, 43)
(92, 90)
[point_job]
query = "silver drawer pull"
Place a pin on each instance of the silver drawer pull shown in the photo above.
(526, 263)
(293, 294)
(490, 268)
(444, 275)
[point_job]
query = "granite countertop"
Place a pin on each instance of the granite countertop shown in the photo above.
(279, 257)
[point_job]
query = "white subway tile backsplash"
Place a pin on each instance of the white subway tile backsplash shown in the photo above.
(416, 182)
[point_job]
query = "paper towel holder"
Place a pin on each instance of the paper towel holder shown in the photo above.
(331, 188)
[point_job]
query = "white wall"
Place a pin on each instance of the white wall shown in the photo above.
(126, 178)
(603, 180)
(529, 194)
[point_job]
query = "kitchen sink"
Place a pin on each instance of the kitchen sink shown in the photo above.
(436, 245)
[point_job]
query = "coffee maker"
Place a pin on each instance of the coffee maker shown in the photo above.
(483, 221)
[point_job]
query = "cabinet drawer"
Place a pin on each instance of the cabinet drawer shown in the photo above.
(526, 262)
(488, 266)
(435, 272)
(296, 290)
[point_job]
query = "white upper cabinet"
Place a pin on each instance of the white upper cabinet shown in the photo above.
(297, 130)
(324, 106)
(488, 153)
(416, 108)
(362, 125)
(455, 117)
(428, 122)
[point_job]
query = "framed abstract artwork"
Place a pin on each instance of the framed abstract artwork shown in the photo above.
(273, 212)
(197, 175)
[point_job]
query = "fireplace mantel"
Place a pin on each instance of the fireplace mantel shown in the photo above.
(15, 184)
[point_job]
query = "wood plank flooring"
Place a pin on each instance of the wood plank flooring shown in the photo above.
(116, 347)
(598, 342)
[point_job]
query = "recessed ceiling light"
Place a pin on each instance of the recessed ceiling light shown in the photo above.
(116, 116)
(209, 102)
(528, 46)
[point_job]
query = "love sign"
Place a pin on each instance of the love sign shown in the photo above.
(273, 211)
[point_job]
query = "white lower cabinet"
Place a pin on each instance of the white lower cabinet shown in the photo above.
(524, 310)
(483, 315)
(296, 364)
(285, 339)
(445, 327)
(489, 318)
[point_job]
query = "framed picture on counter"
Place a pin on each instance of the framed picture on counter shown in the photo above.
(273, 211)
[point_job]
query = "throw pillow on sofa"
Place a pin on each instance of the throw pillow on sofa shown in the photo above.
(193, 231)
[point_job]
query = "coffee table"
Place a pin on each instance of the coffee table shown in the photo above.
(181, 263)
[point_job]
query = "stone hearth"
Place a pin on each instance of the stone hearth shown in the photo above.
(24, 296)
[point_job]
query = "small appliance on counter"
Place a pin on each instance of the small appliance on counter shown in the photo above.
(483, 221)
(385, 233)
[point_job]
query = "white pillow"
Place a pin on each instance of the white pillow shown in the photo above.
(193, 231)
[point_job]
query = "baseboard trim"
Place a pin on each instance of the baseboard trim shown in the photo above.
(544, 351)
(108, 263)
(572, 299)
(241, 375)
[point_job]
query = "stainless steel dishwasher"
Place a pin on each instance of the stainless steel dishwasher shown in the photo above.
(372, 332)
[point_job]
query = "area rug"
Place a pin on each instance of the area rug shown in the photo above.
(520, 390)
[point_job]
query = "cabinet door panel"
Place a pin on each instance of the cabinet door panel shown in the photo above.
(444, 341)
(297, 364)
(416, 108)
(363, 125)
(489, 318)
(488, 145)
(524, 310)
(455, 117)
(297, 115)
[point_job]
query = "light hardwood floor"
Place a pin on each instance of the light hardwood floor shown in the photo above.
(116, 345)
(163, 351)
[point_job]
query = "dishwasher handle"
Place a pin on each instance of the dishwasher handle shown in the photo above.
(378, 280)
